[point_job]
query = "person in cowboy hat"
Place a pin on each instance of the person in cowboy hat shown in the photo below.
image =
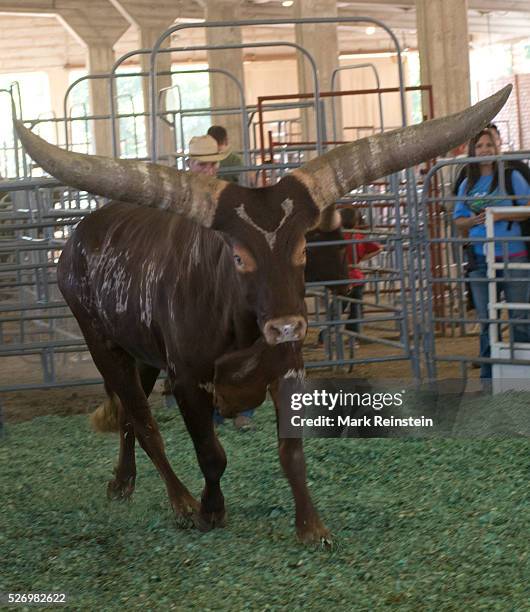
(233, 160)
(204, 155)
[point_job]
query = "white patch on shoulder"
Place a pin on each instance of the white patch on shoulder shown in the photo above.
(297, 374)
(195, 252)
(148, 280)
(115, 281)
(247, 367)
(209, 387)
(270, 237)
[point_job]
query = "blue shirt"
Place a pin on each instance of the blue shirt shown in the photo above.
(501, 229)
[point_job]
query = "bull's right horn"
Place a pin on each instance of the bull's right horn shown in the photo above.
(334, 174)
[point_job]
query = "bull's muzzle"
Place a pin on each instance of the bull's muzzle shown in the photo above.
(285, 329)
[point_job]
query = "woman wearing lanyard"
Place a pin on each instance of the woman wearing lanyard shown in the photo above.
(483, 180)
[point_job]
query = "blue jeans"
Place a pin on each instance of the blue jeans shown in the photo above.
(218, 419)
(515, 291)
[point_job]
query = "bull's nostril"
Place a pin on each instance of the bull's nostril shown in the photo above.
(284, 329)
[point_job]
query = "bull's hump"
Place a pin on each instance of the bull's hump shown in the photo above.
(122, 227)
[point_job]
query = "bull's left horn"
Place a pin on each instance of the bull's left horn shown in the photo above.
(332, 175)
(192, 195)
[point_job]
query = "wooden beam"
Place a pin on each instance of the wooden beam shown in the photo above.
(27, 6)
(94, 22)
(480, 5)
(141, 14)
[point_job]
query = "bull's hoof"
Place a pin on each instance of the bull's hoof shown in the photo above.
(315, 535)
(185, 512)
(120, 490)
(206, 521)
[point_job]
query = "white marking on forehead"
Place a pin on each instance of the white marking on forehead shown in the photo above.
(270, 237)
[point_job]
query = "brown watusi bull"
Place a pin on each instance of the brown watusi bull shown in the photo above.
(205, 279)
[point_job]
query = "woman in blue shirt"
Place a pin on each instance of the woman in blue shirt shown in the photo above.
(482, 180)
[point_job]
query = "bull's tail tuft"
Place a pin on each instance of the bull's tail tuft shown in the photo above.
(105, 417)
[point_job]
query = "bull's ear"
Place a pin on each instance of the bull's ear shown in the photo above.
(332, 175)
(330, 219)
(186, 193)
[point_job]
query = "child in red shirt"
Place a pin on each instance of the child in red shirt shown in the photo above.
(356, 252)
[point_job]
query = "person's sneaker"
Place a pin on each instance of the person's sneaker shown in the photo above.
(243, 423)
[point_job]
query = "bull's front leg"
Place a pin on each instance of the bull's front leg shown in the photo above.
(309, 527)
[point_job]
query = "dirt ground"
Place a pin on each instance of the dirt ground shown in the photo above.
(458, 346)
(27, 404)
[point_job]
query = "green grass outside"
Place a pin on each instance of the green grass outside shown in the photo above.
(418, 525)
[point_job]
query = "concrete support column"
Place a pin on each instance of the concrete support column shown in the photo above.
(223, 92)
(151, 20)
(59, 82)
(321, 41)
(97, 26)
(100, 58)
(165, 134)
(443, 43)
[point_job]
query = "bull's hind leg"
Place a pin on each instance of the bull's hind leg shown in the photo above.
(122, 486)
(122, 377)
(197, 408)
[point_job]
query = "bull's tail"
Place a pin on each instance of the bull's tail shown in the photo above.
(105, 417)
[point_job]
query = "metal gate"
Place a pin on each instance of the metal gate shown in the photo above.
(406, 306)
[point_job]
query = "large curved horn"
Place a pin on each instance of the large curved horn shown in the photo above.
(332, 175)
(192, 195)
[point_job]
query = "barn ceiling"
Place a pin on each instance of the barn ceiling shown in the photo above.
(37, 40)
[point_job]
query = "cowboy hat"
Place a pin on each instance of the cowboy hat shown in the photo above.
(206, 149)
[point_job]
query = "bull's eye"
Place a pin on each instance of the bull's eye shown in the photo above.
(299, 255)
(243, 260)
